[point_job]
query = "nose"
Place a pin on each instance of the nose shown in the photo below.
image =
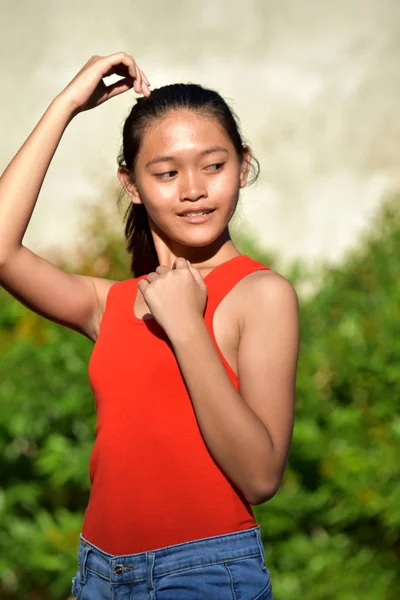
(192, 187)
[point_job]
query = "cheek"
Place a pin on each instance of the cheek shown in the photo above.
(158, 198)
(226, 186)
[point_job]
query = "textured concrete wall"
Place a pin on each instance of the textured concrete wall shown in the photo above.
(315, 84)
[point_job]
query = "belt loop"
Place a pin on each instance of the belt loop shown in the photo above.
(259, 541)
(150, 557)
(82, 562)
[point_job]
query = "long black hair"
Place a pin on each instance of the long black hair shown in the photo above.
(144, 113)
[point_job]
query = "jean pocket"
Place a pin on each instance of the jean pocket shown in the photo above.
(250, 578)
(203, 582)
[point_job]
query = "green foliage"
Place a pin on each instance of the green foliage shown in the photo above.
(333, 529)
(46, 433)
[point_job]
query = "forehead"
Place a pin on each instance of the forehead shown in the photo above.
(183, 130)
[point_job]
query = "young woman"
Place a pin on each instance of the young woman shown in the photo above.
(182, 450)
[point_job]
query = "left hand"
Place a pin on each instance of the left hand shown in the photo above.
(175, 296)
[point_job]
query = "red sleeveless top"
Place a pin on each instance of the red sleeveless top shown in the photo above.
(153, 481)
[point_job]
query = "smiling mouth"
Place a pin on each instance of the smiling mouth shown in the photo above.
(198, 218)
(197, 214)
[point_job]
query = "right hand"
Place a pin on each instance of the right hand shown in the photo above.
(87, 89)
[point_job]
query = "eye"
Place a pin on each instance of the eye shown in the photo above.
(164, 175)
(217, 165)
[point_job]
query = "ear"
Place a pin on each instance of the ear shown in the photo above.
(128, 183)
(245, 165)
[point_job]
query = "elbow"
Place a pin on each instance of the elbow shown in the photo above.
(264, 493)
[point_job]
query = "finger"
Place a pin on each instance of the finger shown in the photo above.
(143, 285)
(114, 61)
(141, 72)
(196, 274)
(137, 84)
(123, 85)
(118, 58)
(145, 85)
(162, 269)
(180, 263)
(141, 87)
(120, 69)
(152, 277)
(145, 78)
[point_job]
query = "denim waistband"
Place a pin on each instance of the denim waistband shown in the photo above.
(129, 568)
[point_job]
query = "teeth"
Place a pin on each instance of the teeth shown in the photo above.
(196, 214)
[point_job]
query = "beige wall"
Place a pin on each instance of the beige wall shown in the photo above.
(315, 84)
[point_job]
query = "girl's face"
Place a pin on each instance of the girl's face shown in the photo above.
(186, 163)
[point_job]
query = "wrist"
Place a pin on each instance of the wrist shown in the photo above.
(186, 331)
(65, 106)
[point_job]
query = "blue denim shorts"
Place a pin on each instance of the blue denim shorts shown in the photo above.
(222, 567)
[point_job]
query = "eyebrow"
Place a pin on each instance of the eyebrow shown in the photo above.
(158, 159)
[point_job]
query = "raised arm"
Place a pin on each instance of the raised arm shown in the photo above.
(69, 299)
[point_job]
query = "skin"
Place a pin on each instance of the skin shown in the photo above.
(188, 181)
(248, 432)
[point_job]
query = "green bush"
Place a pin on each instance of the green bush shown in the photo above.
(331, 532)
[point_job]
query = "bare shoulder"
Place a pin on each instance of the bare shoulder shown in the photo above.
(261, 290)
(270, 281)
(267, 281)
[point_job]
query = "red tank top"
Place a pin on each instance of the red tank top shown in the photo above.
(153, 481)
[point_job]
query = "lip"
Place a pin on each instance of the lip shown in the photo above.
(199, 219)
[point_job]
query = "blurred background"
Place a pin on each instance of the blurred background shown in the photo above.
(315, 85)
